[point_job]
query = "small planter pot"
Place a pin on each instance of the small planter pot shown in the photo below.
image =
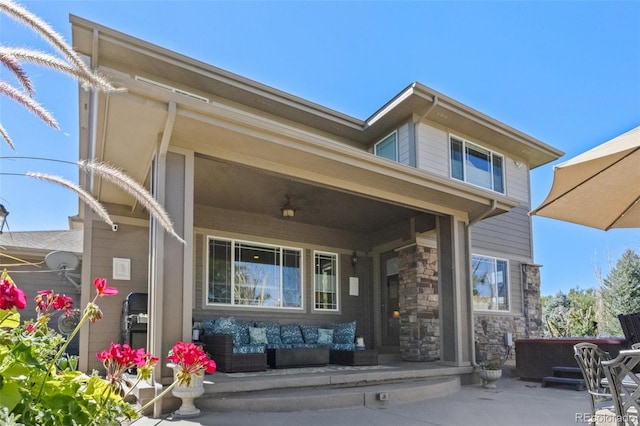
(187, 393)
(489, 378)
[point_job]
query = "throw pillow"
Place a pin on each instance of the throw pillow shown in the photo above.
(224, 325)
(273, 332)
(325, 336)
(344, 333)
(258, 335)
(290, 333)
(310, 334)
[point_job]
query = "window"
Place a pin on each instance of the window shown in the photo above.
(388, 147)
(253, 274)
(490, 284)
(476, 165)
(326, 281)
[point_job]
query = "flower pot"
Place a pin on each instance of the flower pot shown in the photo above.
(489, 377)
(187, 393)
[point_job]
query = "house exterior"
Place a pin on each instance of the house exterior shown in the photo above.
(412, 222)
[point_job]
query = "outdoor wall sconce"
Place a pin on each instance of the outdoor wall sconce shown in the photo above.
(396, 314)
(3, 217)
(354, 261)
(287, 209)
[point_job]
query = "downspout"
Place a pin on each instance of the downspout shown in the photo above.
(92, 129)
(472, 334)
(156, 297)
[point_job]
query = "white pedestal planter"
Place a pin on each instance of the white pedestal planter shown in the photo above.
(490, 377)
(187, 393)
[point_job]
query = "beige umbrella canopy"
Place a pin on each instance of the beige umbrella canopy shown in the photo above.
(599, 188)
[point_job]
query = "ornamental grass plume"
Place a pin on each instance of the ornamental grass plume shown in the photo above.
(23, 93)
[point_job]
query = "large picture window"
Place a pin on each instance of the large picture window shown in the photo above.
(326, 281)
(490, 284)
(476, 165)
(253, 274)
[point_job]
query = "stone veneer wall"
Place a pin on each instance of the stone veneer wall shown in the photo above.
(420, 318)
(419, 304)
(490, 328)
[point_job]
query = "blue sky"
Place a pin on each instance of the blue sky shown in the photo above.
(567, 73)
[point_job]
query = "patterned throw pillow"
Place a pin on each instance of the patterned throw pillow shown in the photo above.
(273, 332)
(310, 334)
(208, 327)
(258, 335)
(241, 333)
(290, 333)
(224, 325)
(325, 336)
(344, 333)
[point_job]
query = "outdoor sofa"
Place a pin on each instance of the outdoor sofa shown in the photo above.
(239, 346)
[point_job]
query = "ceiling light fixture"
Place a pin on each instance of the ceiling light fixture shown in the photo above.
(287, 209)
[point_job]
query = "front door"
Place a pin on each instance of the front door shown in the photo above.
(390, 309)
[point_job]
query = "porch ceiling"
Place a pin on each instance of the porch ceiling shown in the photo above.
(233, 187)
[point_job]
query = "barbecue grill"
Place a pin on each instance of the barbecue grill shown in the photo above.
(133, 325)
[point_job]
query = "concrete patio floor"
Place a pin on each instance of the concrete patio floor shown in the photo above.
(514, 402)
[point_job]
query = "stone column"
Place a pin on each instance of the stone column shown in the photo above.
(419, 305)
(532, 302)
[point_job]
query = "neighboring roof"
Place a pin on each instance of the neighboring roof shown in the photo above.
(170, 67)
(42, 242)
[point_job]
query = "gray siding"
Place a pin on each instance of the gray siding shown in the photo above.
(508, 234)
(404, 147)
(130, 242)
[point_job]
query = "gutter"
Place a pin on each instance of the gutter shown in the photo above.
(494, 206)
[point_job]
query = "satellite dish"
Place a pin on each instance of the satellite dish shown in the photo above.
(63, 262)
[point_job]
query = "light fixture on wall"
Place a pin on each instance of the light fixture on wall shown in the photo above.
(287, 209)
(3, 217)
(354, 261)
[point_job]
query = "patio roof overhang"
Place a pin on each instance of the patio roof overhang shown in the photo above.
(278, 139)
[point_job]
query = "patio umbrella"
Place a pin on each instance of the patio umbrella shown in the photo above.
(599, 188)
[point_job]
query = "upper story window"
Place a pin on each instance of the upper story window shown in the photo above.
(326, 281)
(490, 284)
(388, 147)
(476, 165)
(253, 274)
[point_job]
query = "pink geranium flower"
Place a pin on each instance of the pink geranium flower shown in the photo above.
(192, 361)
(119, 358)
(47, 299)
(11, 295)
(101, 285)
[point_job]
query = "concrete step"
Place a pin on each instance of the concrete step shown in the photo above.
(564, 371)
(316, 398)
(579, 384)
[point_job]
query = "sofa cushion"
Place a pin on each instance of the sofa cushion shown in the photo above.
(241, 333)
(343, 347)
(258, 335)
(290, 333)
(273, 332)
(208, 327)
(224, 325)
(344, 333)
(248, 349)
(310, 334)
(325, 336)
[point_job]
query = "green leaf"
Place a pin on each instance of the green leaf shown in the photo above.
(10, 318)
(10, 395)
